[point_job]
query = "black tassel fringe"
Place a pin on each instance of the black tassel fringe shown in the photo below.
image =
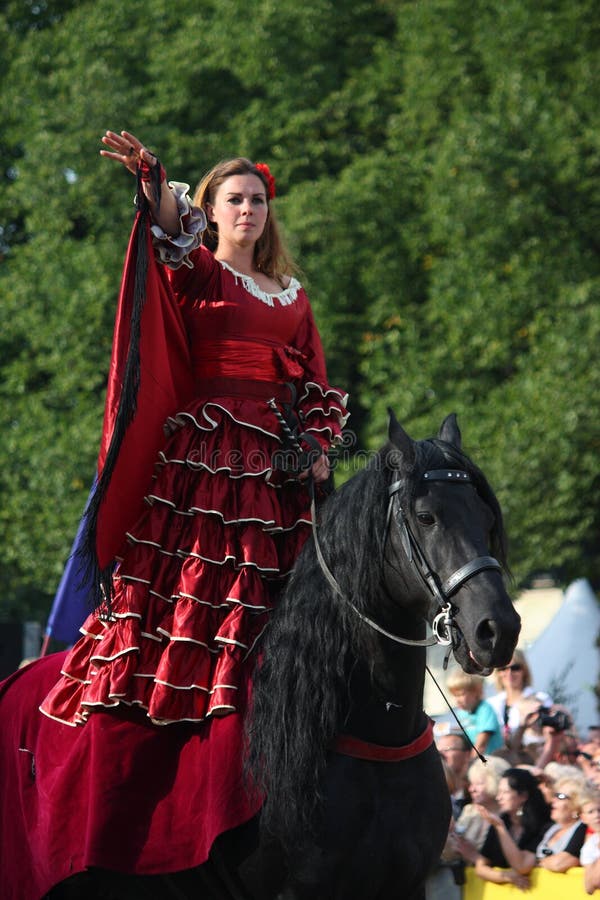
(100, 579)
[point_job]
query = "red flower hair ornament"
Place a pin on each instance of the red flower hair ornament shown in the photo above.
(266, 173)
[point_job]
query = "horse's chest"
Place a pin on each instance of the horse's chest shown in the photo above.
(385, 825)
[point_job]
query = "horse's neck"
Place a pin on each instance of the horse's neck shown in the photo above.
(387, 696)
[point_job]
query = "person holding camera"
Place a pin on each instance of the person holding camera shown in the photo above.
(515, 701)
(555, 741)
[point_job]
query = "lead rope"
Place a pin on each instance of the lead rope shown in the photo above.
(458, 722)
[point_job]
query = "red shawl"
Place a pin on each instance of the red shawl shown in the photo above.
(141, 393)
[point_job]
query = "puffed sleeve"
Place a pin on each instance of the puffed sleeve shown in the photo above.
(175, 252)
(321, 408)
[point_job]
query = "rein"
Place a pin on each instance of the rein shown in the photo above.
(443, 623)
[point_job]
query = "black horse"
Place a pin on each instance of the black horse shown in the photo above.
(403, 540)
(356, 800)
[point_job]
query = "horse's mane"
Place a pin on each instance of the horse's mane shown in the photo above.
(300, 692)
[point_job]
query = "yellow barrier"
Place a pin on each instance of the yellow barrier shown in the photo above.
(544, 886)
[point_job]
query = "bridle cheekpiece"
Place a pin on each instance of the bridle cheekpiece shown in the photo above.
(441, 591)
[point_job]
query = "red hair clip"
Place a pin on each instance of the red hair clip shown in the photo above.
(266, 173)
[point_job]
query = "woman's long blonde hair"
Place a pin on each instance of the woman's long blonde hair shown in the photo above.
(271, 255)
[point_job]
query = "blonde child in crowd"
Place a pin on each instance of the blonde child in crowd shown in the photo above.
(474, 713)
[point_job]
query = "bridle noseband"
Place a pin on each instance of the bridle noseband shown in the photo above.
(443, 623)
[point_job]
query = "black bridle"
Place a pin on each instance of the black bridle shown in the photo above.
(441, 591)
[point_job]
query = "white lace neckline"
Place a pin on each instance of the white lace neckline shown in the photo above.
(284, 297)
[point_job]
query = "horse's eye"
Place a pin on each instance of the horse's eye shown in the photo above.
(425, 518)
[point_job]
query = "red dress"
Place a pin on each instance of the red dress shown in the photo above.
(200, 564)
(204, 564)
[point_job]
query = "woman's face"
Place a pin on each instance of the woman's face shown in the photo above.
(563, 810)
(240, 210)
(478, 790)
(509, 800)
(512, 676)
(593, 774)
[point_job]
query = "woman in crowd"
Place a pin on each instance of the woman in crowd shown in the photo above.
(588, 758)
(550, 774)
(516, 704)
(507, 855)
(561, 845)
(483, 780)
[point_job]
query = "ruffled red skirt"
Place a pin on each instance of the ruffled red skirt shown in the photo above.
(201, 571)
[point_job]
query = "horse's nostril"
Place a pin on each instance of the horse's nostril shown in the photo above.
(486, 632)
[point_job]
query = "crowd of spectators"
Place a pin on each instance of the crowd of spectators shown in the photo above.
(532, 801)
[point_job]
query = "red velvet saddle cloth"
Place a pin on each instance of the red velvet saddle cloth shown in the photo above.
(116, 793)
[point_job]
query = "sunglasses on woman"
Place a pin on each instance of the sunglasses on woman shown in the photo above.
(515, 667)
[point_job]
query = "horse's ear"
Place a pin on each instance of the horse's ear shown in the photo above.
(400, 439)
(450, 432)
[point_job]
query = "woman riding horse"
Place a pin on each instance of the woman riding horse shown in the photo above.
(337, 716)
(137, 768)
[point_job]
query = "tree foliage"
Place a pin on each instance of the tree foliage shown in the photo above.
(438, 172)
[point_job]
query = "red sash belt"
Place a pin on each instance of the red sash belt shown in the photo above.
(244, 388)
(253, 359)
(351, 746)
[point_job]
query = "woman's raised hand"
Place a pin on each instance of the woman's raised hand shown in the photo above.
(488, 816)
(126, 149)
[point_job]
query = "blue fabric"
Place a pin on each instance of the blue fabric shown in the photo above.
(72, 601)
(482, 718)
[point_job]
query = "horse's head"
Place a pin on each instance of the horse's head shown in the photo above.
(444, 540)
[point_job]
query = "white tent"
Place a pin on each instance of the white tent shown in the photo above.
(564, 658)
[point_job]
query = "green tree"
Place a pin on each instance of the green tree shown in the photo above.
(504, 326)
